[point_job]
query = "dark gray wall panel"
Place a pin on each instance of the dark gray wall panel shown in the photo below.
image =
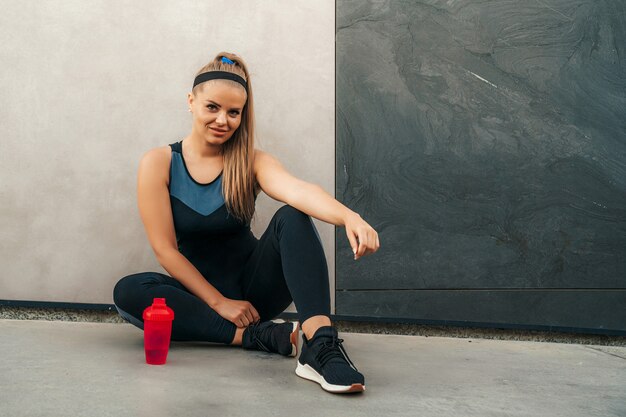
(601, 309)
(486, 142)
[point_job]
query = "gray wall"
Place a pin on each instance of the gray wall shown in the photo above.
(486, 143)
(89, 86)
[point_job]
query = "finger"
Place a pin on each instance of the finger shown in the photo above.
(352, 240)
(255, 314)
(369, 244)
(359, 243)
(249, 316)
(373, 238)
(362, 243)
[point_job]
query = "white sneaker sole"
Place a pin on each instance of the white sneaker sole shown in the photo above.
(306, 372)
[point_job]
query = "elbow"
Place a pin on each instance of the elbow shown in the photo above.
(163, 254)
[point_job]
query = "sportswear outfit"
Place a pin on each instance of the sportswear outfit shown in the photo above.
(286, 264)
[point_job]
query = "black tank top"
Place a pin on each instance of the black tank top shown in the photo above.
(211, 238)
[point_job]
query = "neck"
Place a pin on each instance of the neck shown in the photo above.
(197, 147)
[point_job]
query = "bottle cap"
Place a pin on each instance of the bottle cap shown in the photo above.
(158, 311)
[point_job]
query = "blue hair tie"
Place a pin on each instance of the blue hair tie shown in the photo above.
(226, 60)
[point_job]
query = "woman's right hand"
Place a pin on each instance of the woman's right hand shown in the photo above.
(239, 312)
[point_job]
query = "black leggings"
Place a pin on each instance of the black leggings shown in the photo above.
(288, 264)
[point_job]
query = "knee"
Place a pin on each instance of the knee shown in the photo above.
(296, 219)
(126, 289)
(290, 213)
(121, 291)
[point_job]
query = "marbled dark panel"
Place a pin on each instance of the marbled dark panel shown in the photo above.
(485, 141)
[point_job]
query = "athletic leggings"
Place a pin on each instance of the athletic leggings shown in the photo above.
(288, 264)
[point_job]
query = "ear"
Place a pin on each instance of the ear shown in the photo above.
(190, 99)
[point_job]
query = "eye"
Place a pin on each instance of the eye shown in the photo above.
(235, 112)
(211, 106)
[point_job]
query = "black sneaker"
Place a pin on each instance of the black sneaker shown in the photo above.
(325, 361)
(272, 337)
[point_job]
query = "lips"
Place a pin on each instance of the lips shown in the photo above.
(218, 130)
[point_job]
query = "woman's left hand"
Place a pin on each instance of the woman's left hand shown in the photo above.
(363, 238)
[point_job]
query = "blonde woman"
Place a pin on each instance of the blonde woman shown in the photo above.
(196, 198)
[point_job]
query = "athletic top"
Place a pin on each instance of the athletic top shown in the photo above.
(212, 239)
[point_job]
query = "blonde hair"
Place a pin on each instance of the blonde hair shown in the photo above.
(239, 185)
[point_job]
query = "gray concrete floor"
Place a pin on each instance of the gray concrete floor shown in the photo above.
(57, 368)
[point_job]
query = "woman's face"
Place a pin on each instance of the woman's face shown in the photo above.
(217, 110)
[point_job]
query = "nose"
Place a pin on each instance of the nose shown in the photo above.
(221, 118)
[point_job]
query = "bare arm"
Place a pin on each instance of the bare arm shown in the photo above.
(313, 200)
(310, 198)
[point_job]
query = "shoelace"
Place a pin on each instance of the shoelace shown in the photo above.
(332, 349)
(257, 333)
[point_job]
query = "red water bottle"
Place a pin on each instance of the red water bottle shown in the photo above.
(157, 330)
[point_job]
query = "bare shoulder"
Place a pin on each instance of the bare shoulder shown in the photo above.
(262, 154)
(262, 159)
(156, 162)
(274, 179)
(159, 154)
(258, 154)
